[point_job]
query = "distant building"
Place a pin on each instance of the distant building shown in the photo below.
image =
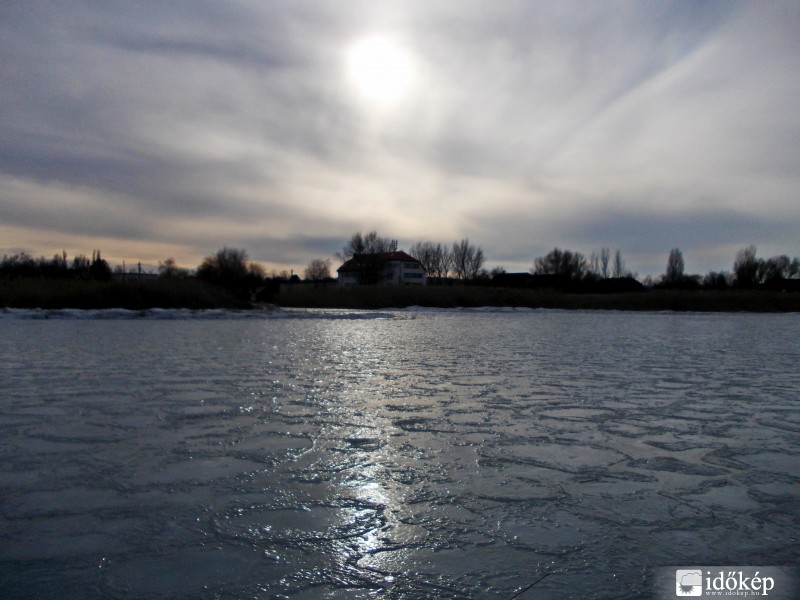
(133, 276)
(386, 268)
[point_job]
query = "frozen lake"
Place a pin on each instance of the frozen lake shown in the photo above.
(401, 454)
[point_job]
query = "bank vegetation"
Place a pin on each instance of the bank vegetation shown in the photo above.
(561, 279)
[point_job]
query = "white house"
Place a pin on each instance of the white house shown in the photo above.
(387, 268)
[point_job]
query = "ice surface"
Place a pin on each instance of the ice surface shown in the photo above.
(400, 454)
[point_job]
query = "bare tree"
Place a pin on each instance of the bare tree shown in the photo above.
(374, 244)
(227, 268)
(370, 243)
(775, 269)
(169, 269)
(794, 268)
(317, 270)
(605, 256)
(745, 267)
(256, 271)
(467, 259)
(442, 261)
(354, 246)
(564, 263)
(99, 269)
(716, 281)
(461, 258)
(674, 266)
(436, 259)
(619, 264)
(425, 253)
(476, 264)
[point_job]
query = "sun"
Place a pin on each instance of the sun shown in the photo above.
(381, 70)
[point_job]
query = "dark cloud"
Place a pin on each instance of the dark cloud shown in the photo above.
(640, 231)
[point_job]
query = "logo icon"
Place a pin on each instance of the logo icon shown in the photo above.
(688, 582)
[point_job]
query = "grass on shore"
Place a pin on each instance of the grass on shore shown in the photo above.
(374, 297)
(71, 293)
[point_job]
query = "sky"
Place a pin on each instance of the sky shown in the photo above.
(155, 129)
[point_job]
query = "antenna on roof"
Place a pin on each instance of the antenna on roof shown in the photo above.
(393, 245)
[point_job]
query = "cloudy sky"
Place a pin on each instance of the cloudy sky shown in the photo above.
(156, 129)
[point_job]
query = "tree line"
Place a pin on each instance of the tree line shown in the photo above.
(749, 271)
(230, 268)
(465, 261)
(82, 267)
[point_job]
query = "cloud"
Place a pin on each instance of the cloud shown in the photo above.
(192, 126)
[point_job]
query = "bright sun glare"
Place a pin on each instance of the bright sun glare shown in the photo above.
(381, 70)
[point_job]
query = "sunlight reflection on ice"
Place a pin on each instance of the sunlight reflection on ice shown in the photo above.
(456, 454)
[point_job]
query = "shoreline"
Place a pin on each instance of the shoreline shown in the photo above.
(196, 295)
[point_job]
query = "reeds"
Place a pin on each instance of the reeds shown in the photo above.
(373, 297)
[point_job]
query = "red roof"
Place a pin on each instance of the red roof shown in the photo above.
(361, 262)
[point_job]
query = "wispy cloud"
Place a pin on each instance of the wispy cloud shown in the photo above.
(183, 127)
